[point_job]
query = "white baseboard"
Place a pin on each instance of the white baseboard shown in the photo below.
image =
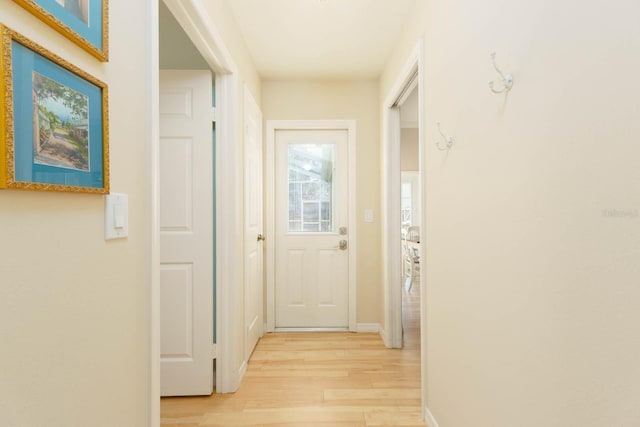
(428, 417)
(242, 371)
(385, 337)
(368, 327)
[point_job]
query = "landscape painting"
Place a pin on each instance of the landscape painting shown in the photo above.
(54, 132)
(61, 125)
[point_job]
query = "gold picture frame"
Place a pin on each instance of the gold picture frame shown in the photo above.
(84, 22)
(54, 133)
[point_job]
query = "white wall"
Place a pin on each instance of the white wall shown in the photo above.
(73, 308)
(315, 100)
(532, 285)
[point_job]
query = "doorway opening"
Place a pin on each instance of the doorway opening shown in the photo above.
(408, 83)
(228, 255)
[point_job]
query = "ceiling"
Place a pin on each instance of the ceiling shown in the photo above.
(321, 39)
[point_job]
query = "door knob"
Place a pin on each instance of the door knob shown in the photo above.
(342, 245)
(261, 238)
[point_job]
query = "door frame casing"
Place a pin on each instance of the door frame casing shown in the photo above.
(272, 127)
(391, 207)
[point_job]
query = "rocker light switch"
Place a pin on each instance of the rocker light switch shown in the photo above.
(116, 216)
(368, 215)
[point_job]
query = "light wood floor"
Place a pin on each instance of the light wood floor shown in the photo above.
(318, 379)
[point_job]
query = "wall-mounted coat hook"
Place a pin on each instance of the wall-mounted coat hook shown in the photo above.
(507, 80)
(448, 141)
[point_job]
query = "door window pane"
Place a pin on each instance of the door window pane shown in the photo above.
(311, 187)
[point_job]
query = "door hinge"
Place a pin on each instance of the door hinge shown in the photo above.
(213, 351)
(214, 114)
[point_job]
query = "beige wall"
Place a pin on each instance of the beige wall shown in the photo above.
(532, 286)
(302, 100)
(74, 332)
(409, 150)
(222, 18)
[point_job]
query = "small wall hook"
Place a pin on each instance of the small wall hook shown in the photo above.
(507, 81)
(448, 141)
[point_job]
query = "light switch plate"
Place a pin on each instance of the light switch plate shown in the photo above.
(368, 215)
(116, 216)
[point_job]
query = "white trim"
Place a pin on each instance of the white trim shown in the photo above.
(270, 206)
(229, 256)
(422, 152)
(384, 336)
(392, 268)
(391, 207)
(429, 419)
(353, 235)
(368, 328)
(391, 258)
(243, 368)
(272, 126)
(153, 153)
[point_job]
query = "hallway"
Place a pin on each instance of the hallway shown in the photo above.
(318, 379)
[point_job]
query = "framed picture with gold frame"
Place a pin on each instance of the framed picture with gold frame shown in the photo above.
(53, 121)
(85, 22)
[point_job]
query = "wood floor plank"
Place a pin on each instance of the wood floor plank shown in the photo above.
(379, 418)
(277, 416)
(317, 379)
(371, 394)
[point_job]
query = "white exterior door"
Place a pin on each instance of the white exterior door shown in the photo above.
(311, 229)
(253, 225)
(186, 233)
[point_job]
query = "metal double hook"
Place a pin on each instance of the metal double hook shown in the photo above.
(507, 80)
(448, 141)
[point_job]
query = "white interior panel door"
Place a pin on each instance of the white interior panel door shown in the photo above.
(253, 231)
(186, 233)
(312, 237)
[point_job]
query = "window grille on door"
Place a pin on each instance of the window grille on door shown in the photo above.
(311, 187)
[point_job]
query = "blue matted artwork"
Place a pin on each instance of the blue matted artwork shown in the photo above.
(58, 137)
(85, 22)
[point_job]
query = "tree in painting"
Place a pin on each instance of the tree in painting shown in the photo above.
(61, 115)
